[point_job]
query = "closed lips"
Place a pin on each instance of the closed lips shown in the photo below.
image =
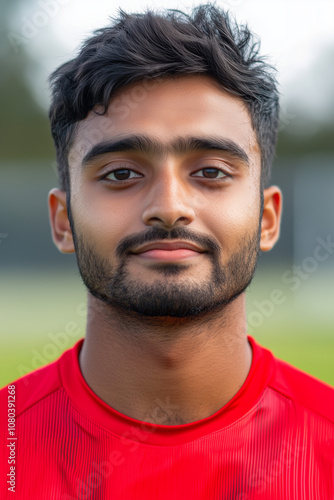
(169, 246)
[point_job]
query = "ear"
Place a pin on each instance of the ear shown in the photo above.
(271, 218)
(60, 225)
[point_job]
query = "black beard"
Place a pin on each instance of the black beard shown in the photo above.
(167, 298)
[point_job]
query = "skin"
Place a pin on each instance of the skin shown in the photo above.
(167, 370)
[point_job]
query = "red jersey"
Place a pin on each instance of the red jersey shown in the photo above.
(273, 440)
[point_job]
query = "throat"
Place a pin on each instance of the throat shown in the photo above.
(173, 375)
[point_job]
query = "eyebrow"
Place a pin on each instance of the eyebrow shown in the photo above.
(154, 147)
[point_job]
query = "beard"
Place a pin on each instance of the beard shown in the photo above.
(167, 296)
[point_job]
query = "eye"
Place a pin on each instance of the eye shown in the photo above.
(210, 173)
(122, 174)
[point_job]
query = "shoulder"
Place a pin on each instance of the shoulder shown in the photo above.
(36, 386)
(303, 389)
(32, 388)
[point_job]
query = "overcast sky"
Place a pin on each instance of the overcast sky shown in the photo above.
(297, 35)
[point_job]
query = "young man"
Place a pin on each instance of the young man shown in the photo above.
(165, 129)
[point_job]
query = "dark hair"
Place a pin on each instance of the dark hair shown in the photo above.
(150, 46)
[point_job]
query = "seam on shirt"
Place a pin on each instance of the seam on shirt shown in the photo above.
(304, 406)
(38, 401)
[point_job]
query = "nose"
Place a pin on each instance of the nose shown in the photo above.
(169, 202)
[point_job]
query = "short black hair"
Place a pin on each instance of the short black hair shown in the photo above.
(152, 45)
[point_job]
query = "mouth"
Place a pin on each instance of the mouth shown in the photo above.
(169, 251)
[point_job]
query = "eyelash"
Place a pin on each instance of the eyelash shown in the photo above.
(125, 167)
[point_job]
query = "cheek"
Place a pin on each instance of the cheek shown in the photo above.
(254, 195)
(103, 220)
(232, 217)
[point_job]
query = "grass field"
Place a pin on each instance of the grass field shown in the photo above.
(43, 313)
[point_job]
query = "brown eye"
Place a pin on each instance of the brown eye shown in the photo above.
(210, 173)
(122, 174)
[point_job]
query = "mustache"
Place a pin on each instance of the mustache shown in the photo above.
(129, 243)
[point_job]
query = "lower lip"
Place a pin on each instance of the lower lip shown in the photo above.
(169, 255)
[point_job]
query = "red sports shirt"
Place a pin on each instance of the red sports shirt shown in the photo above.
(274, 440)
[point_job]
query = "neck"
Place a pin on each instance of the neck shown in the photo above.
(165, 370)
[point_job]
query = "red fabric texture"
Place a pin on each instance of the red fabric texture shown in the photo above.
(273, 440)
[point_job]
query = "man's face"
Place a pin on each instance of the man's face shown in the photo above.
(167, 222)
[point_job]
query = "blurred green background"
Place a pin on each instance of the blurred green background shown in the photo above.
(42, 300)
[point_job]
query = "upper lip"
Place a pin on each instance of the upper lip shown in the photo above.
(172, 245)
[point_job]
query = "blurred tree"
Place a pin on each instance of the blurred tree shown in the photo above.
(24, 129)
(319, 141)
(308, 122)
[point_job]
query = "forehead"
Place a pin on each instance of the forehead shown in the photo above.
(167, 108)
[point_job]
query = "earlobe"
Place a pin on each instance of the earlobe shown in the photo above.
(60, 224)
(271, 218)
